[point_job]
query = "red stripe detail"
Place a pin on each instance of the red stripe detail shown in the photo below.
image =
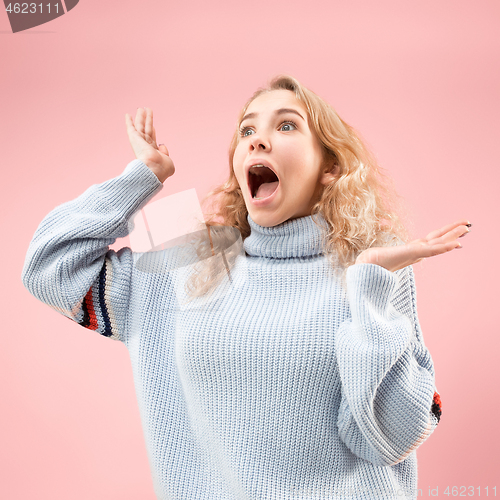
(437, 400)
(90, 308)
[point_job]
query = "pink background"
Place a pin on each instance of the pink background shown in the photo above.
(419, 80)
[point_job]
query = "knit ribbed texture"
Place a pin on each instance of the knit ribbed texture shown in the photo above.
(286, 386)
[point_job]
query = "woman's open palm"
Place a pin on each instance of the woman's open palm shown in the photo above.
(435, 243)
(142, 137)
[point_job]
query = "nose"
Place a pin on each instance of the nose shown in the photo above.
(259, 142)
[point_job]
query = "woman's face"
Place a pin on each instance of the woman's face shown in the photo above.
(278, 161)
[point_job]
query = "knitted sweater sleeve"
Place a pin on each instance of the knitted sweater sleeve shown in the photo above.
(389, 405)
(69, 265)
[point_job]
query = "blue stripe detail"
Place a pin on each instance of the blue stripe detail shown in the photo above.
(102, 304)
(85, 321)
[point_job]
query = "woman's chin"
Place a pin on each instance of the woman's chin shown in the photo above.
(265, 219)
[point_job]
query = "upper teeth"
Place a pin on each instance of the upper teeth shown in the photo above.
(254, 169)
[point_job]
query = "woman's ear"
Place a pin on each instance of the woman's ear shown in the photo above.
(329, 172)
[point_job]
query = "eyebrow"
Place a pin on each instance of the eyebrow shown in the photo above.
(278, 112)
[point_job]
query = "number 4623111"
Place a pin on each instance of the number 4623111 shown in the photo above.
(32, 8)
(470, 491)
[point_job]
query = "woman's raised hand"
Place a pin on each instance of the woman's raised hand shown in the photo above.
(142, 137)
(435, 243)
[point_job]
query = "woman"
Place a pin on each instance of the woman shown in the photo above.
(297, 382)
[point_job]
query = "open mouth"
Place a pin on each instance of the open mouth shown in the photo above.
(262, 181)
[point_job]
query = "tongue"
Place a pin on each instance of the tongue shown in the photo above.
(266, 189)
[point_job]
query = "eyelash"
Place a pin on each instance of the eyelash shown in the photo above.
(287, 122)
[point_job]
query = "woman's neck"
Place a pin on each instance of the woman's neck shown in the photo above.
(300, 237)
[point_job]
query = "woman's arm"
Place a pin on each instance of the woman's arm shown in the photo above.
(69, 266)
(386, 371)
(389, 402)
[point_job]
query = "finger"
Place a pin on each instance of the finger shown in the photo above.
(438, 249)
(163, 149)
(129, 124)
(140, 118)
(154, 135)
(452, 235)
(148, 128)
(445, 229)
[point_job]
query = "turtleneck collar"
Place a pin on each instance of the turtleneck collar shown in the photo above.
(300, 237)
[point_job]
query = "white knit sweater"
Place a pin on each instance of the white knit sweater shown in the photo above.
(286, 385)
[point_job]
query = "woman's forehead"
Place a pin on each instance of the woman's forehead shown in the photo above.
(275, 99)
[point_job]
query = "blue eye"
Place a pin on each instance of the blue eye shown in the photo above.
(288, 124)
(244, 130)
